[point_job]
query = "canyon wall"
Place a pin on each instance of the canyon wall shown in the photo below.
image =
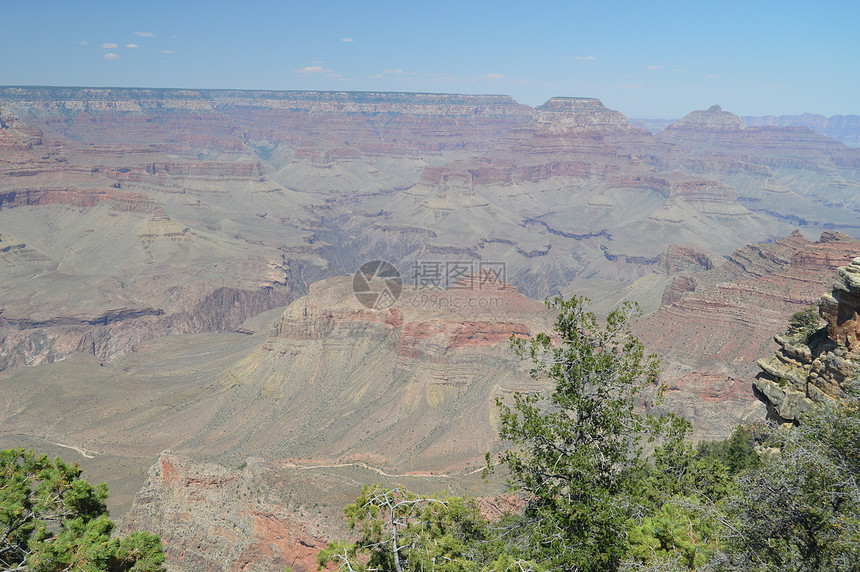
(813, 364)
(716, 323)
(173, 263)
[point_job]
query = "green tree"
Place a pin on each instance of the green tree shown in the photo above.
(737, 452)
(51, 520)
(674, 533)
(401, 531)
(801, 510)
(681, 493)
(574, 450)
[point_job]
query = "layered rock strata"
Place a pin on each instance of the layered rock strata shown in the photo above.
(840, 308)
(713, 118)
(845, 128)
(211, 518)
(813, 366)
(716, 323)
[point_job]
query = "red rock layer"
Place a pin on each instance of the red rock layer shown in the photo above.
(715, 324)
(214, 519)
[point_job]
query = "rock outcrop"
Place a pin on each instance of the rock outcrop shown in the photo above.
(813, 364)
(715, 324)
(211, 518)
(417, 374)
(25, 341)
(713, 118)
(840, 308)
(266, 515)
(580, 112)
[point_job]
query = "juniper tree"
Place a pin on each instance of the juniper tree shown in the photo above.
(801, 509)
(51, 519)
(572, 450)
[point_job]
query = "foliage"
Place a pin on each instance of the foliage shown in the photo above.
(801, 511)
(51, 519)
(675, 469)
(673, 533)
(401, 531)
(573, 451)
(803, 322)
(737, 452)
(671, 528)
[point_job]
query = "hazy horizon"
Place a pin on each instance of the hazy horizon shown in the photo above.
(655, 61)
(203, 89)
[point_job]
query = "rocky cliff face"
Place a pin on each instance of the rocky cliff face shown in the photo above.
(568, 195)
(211, 518)
(28, 341)
(403, 389)
(716, 323)
(840, 308)
(418, 374)
(60, 101)
(813, 364)
(266, 515)
(580, 112)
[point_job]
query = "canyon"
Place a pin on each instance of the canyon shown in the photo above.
(814, 365)
(177, 266)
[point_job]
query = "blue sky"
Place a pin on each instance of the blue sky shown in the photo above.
(645, 59)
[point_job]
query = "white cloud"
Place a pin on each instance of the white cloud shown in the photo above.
(82, 43)
(494, 76)
(111, 56)
(347, 40)
(144, 34)
(166, 52)
(583, 58)
(132, 46)
(679, 70)
(654, 67)
(109, 46)
(317, 70)
(312, 70)
(712, 76)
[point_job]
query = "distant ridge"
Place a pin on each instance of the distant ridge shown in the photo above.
(119, 93)
(844, 128)
(712, 118)
(28, 101)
